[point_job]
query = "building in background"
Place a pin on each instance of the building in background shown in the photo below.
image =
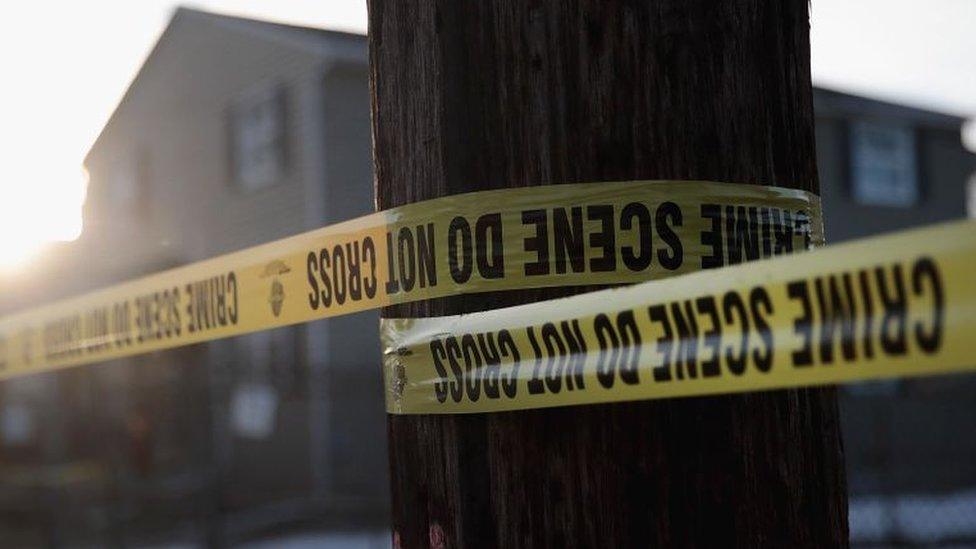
(885, 167)
(236, 132)
(911, 459)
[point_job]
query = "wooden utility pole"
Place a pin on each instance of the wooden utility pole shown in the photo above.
(469, 96)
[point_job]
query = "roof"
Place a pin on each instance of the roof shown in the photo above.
(310, 33)
(312, 38)
(828, 102)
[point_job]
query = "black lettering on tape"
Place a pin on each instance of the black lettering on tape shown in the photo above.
(325, 263)
(459, 259)
(535, 384)
(392, 285)
(555, 357)
(782, 232)
(472, 367)
(567, 234)
(492, 360)
(667, 216)
(686, 327)
(488, 234)
(741, 234)
(734, 310)
(232, 306)
(339, 274)
(537, 244)
(456, 385)
(605, 239)
(665, 343)
(712, 237)
(837, 315)
(762, 307)
(369, 256)
(576, 347)
(712, 336)
(355, 271)
(867, 333)
(929, 339)
(438, 354)
(406, 258)
(507, 346)
(895, 309)
(606, 361)
(803, 324)
(641, 259)
(426, 254)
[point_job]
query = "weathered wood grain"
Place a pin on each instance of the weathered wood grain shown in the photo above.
(508, 93)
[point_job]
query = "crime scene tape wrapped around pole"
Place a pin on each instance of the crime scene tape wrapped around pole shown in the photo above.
(576, 234)
(883, 307)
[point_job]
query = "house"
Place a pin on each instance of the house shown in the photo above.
(911, 463)
(885, 167)
(236, 132)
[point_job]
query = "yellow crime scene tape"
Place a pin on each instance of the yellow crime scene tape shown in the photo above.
(579, 234)
(884, 307)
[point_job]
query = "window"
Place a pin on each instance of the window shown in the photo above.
(122, 186)
(270, 355)
(129, 185)
(258, 139)
(883, 170)
(254, 410)
(17, 425)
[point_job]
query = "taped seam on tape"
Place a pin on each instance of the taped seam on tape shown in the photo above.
(884, 307)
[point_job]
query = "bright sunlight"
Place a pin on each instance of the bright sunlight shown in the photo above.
(58, 97)
(38, 204)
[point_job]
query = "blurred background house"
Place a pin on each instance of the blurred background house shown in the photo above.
(236, 132)
(911, 456)
(885, 167)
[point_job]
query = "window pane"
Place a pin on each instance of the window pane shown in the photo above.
(259, 133)
(883, 165)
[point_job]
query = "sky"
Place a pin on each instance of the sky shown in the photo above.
(66, 65)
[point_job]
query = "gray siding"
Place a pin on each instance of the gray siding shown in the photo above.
(901, 437)
(355, 393)
(196, 210)
(943, 168)
(328, 444)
